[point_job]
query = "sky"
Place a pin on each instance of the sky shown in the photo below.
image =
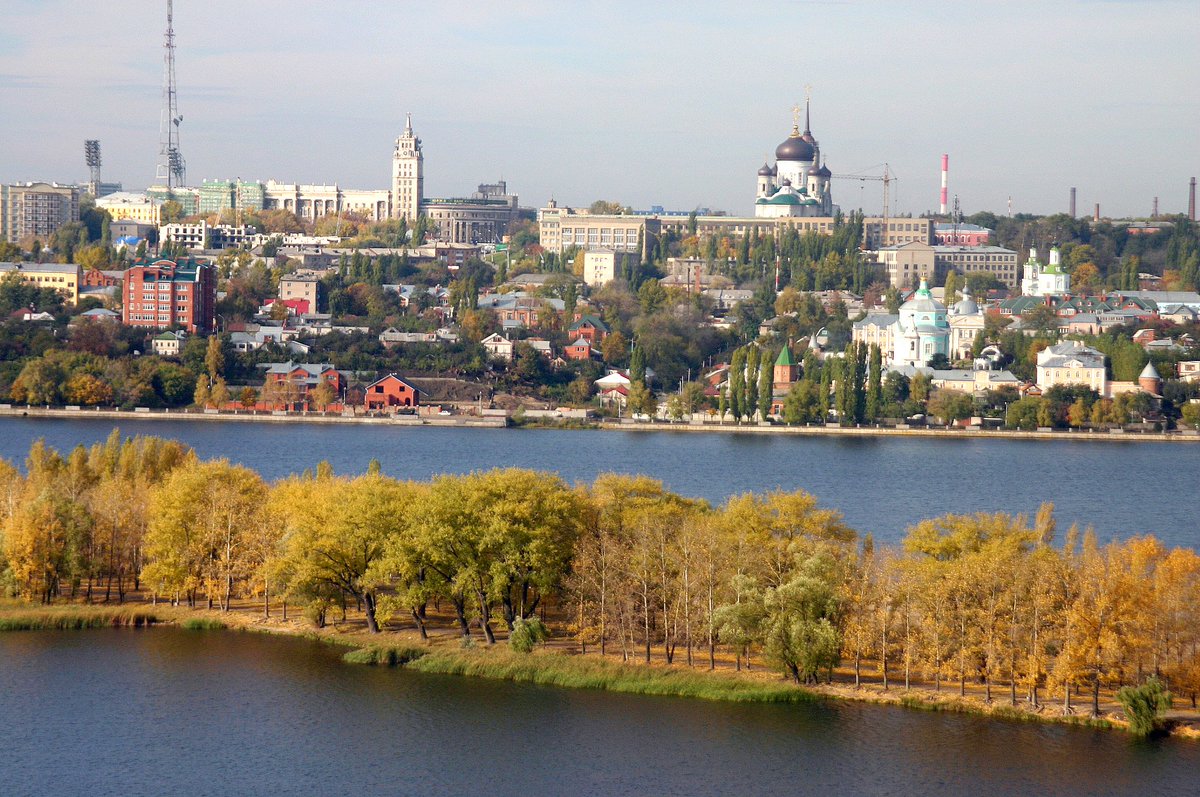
(670, 103)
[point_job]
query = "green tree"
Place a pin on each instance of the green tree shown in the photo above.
(1144, 706)
(641, 399)
(800, 620)
(874, 389)
(766, 383)
(737, 384)
(950, 291)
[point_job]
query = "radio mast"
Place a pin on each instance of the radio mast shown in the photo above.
(171, 168)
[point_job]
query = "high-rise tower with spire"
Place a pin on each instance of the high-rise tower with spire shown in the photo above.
(408, 174)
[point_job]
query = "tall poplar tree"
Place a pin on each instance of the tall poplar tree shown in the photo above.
(751, 403)
(874, 385)
(737, 383)
(766, 383)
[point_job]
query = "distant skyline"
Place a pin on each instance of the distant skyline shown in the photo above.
(672, 104)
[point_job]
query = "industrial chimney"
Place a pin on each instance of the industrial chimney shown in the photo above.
(1097, 216)
(1072, 201)
(1192, 200)
(945, 174)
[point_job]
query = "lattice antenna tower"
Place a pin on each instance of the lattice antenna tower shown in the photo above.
(91, 154)
(171, 166)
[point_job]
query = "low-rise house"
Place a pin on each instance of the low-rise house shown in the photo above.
(973, 381)
(725, 299)
(498, 346)
(1178, 313)
(437, 296)
(541, 346)
(287, 385)
(295, 307)
(34, 316)
(394, 337)
(589, 327)
(253, 337)
(97, 278)
(537, 281)
(167, 344)
(1189, 370)
(580, 349)
(390, 391)
(519, 310)
(99, 315)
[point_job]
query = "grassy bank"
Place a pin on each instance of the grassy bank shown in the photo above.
(578, 672)
(67, 618)
(547, 667)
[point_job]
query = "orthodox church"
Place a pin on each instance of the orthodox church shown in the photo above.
(1045, 279)
(921, 330)
(798, 183)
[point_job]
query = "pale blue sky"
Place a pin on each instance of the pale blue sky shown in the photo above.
(647, 103)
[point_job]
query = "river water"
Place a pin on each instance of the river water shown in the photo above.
(166, 711)
(882, 485)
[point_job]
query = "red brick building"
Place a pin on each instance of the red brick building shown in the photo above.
(287, 385)
(95, 278)
(590, 328)
(390, 391)
(579, 350)
(170, 293)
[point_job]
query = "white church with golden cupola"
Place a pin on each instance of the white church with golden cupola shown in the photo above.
(798, 183)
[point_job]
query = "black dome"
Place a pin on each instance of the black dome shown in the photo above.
(794, 148)
(824, 172)
(766, 171)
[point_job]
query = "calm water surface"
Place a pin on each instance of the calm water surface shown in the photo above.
(166, 711)
(882, 485)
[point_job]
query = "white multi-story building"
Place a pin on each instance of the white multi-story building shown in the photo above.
(202, 235)
(603, 266)
(36, 210)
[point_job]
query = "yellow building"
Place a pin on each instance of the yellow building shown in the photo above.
(62, 277)
(129, 205)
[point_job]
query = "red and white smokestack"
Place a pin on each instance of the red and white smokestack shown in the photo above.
(945, 175)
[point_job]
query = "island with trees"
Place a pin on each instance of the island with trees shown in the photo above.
(996, 612)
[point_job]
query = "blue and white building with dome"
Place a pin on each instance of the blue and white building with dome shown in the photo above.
(921, 331)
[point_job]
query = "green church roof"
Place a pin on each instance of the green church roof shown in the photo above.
(778, 199)
(785, 357)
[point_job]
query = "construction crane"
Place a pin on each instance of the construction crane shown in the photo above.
(887, 178)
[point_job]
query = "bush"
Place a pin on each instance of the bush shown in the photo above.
(526, 634)
(1144, 706)
(384, 655)
(202, 624)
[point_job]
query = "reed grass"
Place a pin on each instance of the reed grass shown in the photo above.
(556, 669)
(202, 624)
(74, 617)
(384, 655)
